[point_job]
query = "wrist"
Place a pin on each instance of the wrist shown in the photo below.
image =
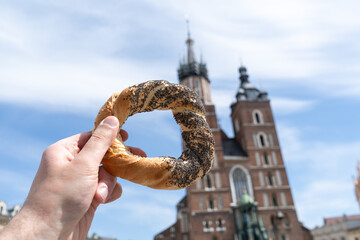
(28, 224)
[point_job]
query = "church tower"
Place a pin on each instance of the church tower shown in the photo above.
(254, 129)
(250, 162)
(209, 212)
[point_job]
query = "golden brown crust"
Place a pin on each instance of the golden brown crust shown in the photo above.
(160, 172)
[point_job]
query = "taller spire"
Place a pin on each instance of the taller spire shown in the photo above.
(190, 67)
(190, 45)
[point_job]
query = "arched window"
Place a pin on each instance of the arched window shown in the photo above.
(266, 159)
(211, 203)
(240, 183)
(270, 179)
(219, 223)
(262, 140)
(274, 200)
(207, 224)
(257, 117)
(209, 183)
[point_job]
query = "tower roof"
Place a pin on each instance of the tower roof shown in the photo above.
(189, 66)
(246, 91)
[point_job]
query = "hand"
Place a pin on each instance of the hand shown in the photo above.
(68, 187)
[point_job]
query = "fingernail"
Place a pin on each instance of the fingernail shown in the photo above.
(110, 121)
(103, 192)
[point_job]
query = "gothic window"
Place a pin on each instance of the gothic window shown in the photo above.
(208, 180)
(240, 183)
(219, 223)
(257, 117)
(207, 226)
(266, 159)
(274, 200)
(286, 221)
(262, 141)
(270, 179)
(211, 204)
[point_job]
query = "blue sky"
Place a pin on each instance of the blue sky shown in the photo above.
(61, 60)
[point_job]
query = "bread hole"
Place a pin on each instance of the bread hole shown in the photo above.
(155, 132)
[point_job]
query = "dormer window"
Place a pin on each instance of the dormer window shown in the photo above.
(257, 117)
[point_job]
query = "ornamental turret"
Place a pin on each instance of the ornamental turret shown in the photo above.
(246, 91)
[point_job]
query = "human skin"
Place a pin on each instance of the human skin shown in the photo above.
(69, 186)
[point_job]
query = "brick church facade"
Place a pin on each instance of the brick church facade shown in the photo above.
(250, 163)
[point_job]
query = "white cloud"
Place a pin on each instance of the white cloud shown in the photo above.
(320, 174)
(286, 105)
(69, 57)
(325, 198)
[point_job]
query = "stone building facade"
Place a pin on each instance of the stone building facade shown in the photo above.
(338, 228)
(249, 162)
(6, 214)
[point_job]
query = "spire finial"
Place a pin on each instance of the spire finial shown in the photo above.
(187, 25)
(189, 43)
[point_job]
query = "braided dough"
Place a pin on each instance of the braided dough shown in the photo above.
(160, 172)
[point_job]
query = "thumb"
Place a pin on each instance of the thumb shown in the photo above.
(99, 142)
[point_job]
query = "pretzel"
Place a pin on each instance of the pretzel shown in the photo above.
(160, 172)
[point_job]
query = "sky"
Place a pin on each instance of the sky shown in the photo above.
(61, 60)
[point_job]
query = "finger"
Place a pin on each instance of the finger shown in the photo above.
(124, 135)
(137, 151)
(99, 142)
(105, 187)
(75, 143)
(116, 193)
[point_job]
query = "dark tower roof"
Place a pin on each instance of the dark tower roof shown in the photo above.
(246, 91)
(189, 66)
